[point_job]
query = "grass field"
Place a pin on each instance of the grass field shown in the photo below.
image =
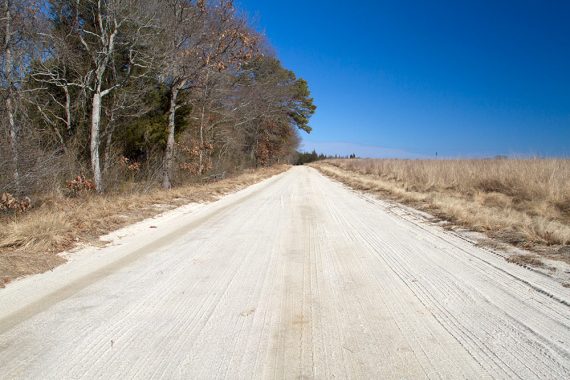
(524, 202)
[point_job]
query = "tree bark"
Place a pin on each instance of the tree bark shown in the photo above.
(13, 128)
(95, 140)
(67, 110)
(169, 151)
(202, 120)
(13, 141)
(98, 95)
(201, 157)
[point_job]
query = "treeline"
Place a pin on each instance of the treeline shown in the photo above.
(308, 157)
(108, 91)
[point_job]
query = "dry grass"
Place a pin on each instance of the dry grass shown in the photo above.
(526, 260)
(524, 202)
(29, 242)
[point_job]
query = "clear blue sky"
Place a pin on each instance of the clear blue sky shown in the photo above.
(409, 78)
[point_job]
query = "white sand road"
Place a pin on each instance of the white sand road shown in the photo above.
(294, 277)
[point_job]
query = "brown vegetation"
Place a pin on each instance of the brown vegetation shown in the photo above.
(29, 242)
(10, 203)
(525, 202)
(526, 260)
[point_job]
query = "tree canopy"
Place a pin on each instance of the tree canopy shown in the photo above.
(131, 90)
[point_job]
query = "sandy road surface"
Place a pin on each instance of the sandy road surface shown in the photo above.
(295, 277)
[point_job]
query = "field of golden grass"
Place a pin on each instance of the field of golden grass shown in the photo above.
(524, 202)
(30, 241)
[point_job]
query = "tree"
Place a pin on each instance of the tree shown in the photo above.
(88, 85)
(279, 106)
(202, 39)
(18, 21)
(306, 158)
(113, 40)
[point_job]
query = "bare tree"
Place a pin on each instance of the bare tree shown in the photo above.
(116, 38)
(8, 70)
(203, 39)
(18, 20)
(183, 22)
(52, 98)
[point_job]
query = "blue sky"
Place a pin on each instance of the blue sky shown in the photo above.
(410, 78)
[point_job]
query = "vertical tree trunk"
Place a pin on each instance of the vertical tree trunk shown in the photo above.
(201, 157)
(169, 151)
(67, 110)
(202, 116)
(108, 144)
(13, 140)
(95, 140)
(13, 131)
(101, 66)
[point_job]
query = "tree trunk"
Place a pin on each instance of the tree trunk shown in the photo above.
(169, 151)
(13, 141)
(201, 157)
(13, 131)
(67, 110)
(101, 66)
(108, 144)
(202, 116)
(95, 140)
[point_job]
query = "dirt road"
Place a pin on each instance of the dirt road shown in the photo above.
(295, 277)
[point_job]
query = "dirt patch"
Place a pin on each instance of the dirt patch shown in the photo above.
(30, 242)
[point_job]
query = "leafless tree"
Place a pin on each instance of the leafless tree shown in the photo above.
(202, 39)
(17, 23)
(115, 36)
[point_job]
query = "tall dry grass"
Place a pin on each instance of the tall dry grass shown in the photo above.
(525, 201)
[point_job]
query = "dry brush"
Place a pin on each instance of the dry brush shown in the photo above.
(525, 202)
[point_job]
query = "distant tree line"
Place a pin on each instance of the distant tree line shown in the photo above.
(308, 157)
(134, 90)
